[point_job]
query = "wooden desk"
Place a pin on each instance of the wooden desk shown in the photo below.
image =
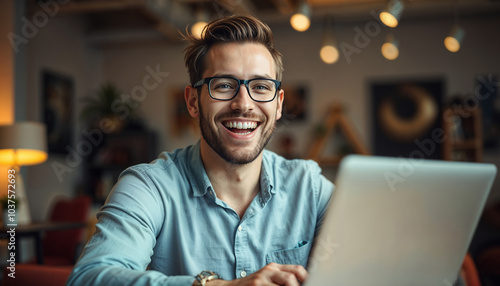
(36, 231)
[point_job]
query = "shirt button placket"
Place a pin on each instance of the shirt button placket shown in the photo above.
(241, 249)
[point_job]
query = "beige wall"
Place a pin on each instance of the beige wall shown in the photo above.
(6, 74)
(59, 46)
(7, 63)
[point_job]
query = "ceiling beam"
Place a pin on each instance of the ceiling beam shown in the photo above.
(100, 6)
(284, 6)
(237, 7)
(332, 3)
(171, 16)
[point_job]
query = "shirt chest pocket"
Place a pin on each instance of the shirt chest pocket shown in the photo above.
(297, 256)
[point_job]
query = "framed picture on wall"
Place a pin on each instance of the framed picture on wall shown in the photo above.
(57, 104)
(182, 120)
(486, 92)
(295, 103)
(406, 118)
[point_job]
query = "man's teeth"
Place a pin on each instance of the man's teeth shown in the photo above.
(241, 125)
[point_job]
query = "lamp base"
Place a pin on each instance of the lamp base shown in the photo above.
(23, 215)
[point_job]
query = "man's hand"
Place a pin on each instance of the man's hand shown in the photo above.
(271, 274)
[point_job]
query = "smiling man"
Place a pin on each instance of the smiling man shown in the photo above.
(224, 211)
(245, 122)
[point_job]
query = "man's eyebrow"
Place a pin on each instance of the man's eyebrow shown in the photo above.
(261, 76)
(251, 77)
(224, 75)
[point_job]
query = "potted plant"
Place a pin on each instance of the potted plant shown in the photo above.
(107, 108)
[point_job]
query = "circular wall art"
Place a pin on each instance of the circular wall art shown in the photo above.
(421, 111)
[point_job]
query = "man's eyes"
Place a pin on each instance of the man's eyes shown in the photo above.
(261, 86)
(257, 86)
(224, 86)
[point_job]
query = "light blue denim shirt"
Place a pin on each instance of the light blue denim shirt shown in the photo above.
(166, 217)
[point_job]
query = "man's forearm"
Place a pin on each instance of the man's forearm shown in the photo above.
(116, 275)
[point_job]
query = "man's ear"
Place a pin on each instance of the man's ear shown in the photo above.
(191, 97)
(281, 97)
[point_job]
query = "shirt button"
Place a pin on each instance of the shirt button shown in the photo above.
(239, 229)
(243, 273)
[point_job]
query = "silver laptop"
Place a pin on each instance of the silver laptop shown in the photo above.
(395, 221)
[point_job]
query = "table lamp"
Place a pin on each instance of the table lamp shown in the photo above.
(22, 144)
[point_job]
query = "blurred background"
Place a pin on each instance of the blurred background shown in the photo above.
(107, 78)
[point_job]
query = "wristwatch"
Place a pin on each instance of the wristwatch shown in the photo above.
(205, 276)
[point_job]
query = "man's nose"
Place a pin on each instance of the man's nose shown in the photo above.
(242, 101)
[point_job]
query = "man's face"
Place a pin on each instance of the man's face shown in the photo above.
(238, 129)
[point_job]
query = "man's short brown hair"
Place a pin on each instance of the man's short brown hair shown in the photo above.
(233, 29)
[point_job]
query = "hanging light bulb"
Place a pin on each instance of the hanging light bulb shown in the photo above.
(390, 49)
(300, 20)
(454, 40)
(392, 13)
(201, 21)
(329, 52)
(197, 29)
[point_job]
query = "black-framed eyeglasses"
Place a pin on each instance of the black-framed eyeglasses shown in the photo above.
(226, 88)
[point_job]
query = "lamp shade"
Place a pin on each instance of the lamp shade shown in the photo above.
(23, 143)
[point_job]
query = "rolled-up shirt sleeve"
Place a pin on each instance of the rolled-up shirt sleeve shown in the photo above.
(121, 249)
(324, 191)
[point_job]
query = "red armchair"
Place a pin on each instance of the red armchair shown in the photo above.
(60, 247)
(35, 274)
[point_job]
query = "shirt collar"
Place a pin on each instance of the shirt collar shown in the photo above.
(197, 169)
(267, 188)
(203, 183)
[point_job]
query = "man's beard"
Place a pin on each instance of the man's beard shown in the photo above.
(214, 140)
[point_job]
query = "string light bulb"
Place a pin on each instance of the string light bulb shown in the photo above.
(329, 52)
(390, 49)
(391, 15)
(201, 22)
(300, 20)
(453, 41)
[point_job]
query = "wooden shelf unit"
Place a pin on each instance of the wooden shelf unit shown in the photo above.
(335, 116)
(463, 139)
(116, 153)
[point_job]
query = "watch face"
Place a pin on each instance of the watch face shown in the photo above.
(205, 276)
